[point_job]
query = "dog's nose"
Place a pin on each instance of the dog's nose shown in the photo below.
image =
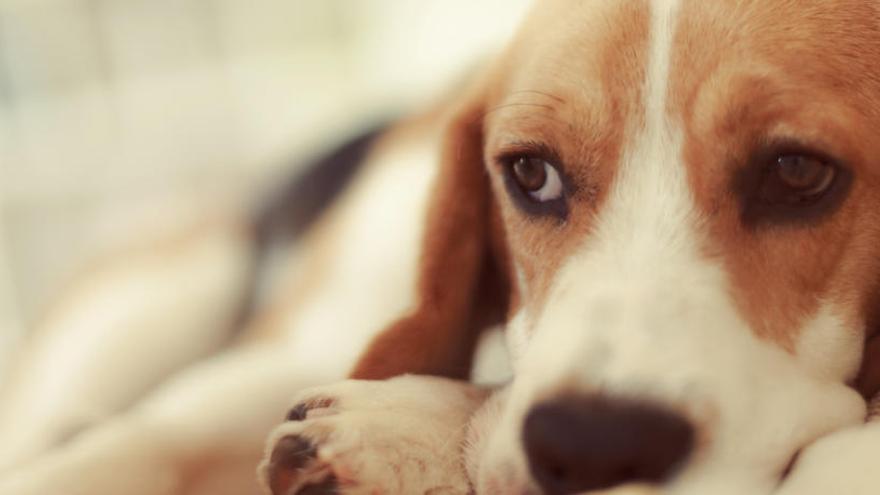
(578, 445)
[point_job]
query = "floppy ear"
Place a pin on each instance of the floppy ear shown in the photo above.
(868, 382)
(462, 287)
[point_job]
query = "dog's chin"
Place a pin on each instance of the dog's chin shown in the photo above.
(497, 465)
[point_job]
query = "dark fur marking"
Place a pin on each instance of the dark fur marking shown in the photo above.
(294, 207)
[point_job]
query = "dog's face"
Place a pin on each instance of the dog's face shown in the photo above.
(690, 198)
(691, 201)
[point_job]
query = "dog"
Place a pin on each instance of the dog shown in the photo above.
(671, 206)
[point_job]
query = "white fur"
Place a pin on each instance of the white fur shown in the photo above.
(829, 346)
(223, 406)
(126, 330)
(492, 359)
(844, 462)
(140, 316)
(378, 253)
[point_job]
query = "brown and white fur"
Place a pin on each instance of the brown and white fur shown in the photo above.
(658, 285)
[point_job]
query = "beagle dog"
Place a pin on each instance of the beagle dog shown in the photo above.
(671, 206)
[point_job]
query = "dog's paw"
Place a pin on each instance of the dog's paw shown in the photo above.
(402, 436)
(842, 462)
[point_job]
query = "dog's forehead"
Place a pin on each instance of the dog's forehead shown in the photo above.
(815, 44)
(577, 46)
(581, 77)
(590, 54)
(576, 75)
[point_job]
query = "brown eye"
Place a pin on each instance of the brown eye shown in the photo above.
(537, 178)
(789, 183)
(530, 173)
(804, 173)
(798, 179)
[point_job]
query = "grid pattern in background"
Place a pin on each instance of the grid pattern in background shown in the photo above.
(104, 101)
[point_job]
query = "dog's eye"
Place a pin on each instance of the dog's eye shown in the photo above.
(788, 183)
(537, 178)
(798, 179)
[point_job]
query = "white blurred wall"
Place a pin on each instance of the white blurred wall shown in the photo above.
(104, 102)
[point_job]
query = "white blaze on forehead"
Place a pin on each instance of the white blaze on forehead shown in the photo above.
(645, 245)
(663, 16)
(650, 211)
(650, 206)
(644, 233)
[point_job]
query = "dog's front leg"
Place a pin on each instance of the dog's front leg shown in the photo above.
(402, 436)
(843, 462)
(201, 433)
(117, 333)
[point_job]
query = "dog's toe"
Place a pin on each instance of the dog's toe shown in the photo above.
(289, 457)
(363, 438)
(326, 487)
(301, 411)
(298, 413)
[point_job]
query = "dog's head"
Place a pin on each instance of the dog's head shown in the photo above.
(682, 202)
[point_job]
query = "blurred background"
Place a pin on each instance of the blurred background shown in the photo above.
(110, 105)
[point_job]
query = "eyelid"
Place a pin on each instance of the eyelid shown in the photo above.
(532, 149)
(769, 149)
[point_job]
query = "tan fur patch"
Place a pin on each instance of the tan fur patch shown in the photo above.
(733, 88)
(572, 82)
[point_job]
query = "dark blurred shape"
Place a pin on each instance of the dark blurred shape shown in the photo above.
(296, 205)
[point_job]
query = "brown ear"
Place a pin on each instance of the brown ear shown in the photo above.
(868, 382)
(461, 284)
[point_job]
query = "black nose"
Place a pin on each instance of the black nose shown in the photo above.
(577, 445)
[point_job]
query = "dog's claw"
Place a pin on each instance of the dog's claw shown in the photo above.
(298, 413)
(291, 453)
(301, 411)
(326, 487)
